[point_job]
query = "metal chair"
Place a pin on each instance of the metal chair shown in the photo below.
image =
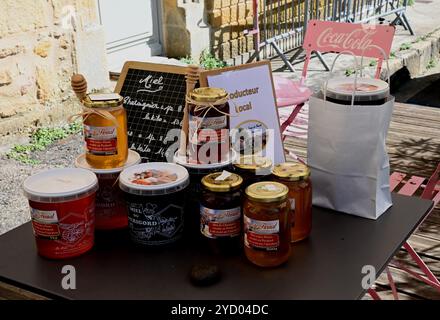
(431, 191)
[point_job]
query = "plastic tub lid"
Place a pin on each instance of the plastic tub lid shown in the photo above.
(154, 178)
(60, 185)
(367, 89)
(132, 159)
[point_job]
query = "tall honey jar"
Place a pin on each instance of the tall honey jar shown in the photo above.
(267, 224)
(296, 176)
(208, 126)
(105, 131)
(220, 212)
(253, 169)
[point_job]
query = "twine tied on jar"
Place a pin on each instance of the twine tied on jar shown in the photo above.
(87, 112)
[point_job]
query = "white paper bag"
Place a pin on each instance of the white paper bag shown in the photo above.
(348, 157)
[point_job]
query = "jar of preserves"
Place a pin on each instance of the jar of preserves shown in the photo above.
(194, 192)
(267, 224)
(105, 131)
(296, 176)
(208, 126)
(253, 169)
(155, 197)
(220, 211)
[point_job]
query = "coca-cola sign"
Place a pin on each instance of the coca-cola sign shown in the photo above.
(328, 36)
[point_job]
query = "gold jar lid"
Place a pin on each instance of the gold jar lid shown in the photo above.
(222, 181)
(207, 94)
(254, 164)
(103, 100)
(267, 191)
(291, 171)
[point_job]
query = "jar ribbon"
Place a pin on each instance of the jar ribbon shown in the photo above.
(100, 112)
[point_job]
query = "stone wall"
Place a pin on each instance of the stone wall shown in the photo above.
(37, 58)
(228, 19)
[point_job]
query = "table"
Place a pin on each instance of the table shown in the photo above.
(327, 266)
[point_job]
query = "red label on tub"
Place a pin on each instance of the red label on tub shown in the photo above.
(45, 224)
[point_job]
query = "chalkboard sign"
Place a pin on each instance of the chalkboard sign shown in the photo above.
(154, 97)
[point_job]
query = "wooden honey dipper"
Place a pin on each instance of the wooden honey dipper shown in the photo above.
(79, 86)
(192, 76)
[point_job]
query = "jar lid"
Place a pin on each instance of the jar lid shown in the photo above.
(291, 171)
(267, 191)
(154, 178)
(132, 159)
(102, 100)
(255, 164)
(60, 185)
(367, 89)
(208, 94)
(222, 181)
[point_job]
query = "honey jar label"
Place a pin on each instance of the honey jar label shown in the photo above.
(199, 134)
(45, 224)
(216, 223)
(101, 141)
(261, 235)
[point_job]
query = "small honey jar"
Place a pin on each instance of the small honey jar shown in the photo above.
(220, 211)
(208, 136)
(105, 131)
(267, 224)
(296, 176)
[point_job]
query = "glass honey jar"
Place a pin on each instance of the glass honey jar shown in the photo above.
(296, 176)
(220, 212)
(253, 169)
(267, 224)
(208, 126)
(105, 131)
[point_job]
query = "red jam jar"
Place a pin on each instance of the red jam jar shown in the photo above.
(62, 205)
(208, 134)
(111, 210)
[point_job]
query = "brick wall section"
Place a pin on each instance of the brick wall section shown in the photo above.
(228, 19)
(36, 57)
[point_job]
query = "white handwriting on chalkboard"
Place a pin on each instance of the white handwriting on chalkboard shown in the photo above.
(151, 84)
(144, 105)
(140, 148)
(153, 117)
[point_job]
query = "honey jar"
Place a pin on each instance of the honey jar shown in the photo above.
(267, 224)
(296, 176)
(105, 131)
(220, 211)
(253, 169)
(208, 126)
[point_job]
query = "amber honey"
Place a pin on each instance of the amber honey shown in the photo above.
(267, 224)
(105, 131)
(296, 176)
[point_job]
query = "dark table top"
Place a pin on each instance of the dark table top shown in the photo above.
(327, 266)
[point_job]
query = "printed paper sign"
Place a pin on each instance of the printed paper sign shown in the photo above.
(252, 106)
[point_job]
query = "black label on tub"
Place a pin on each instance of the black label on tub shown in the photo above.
(154, 223)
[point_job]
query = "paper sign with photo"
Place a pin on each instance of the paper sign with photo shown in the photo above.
(252, 107)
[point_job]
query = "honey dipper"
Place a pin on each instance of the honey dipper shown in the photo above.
(192, 76)
(79, 86)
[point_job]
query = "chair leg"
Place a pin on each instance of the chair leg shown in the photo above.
(432, 279)
(392, 284)
(373, 294)
(292, 117)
